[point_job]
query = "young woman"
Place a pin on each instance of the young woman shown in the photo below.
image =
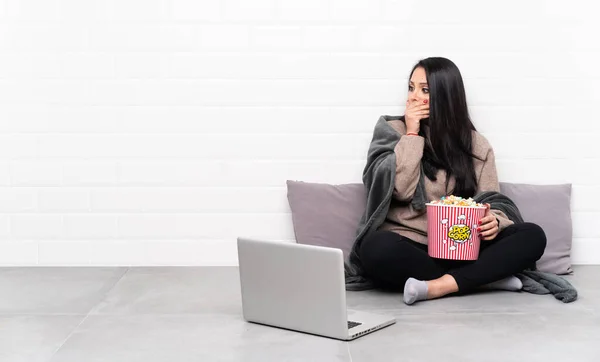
(437, 134)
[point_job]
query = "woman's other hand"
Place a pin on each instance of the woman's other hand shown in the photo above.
(488, 225)
(413, 115)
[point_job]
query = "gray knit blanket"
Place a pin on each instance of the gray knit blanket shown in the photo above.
(378, 178)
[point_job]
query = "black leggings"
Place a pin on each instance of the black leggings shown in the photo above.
(389, 259)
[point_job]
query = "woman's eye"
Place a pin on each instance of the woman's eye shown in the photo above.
(425, 90)
(410, 88)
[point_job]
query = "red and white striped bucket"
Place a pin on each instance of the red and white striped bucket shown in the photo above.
(452, 231)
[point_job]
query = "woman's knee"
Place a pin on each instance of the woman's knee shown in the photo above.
(375, 248)
(536, 238)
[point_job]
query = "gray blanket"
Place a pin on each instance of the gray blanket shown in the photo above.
(378, 178)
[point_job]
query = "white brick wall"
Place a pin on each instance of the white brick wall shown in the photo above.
(157, 131)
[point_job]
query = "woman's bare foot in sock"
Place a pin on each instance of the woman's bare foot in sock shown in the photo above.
(511, 283)
(442, 286)
(416, 290)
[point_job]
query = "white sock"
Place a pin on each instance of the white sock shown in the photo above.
(414, 290)
(511, 283)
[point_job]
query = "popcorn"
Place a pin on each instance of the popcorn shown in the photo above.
(456, 201)
(452, 223)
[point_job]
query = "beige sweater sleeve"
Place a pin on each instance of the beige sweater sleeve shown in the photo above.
(488, 181)
(409, 151)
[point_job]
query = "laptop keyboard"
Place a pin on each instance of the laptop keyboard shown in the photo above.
(353, 324)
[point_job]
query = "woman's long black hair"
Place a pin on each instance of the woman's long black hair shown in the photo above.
(449, 145)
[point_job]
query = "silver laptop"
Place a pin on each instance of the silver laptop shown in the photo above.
(300, 287)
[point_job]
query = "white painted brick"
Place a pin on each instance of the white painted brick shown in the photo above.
(117, 252)
(138, 11)
(349, 66)
(161, 130)
(131, 37)
(123, 199)
(583, 197)
(517, 66)
(17, 119)
(450, 38)
(142, 92)
(48, 37)
(356, 119)
(525, 120)
(18, 65)
(191, 252)
(64, 253)
(63, 119)
(500, 92)
(223, 37)
(141, 65)
(402, 11)
(578, 10)
(585, 224)
(63, 65)
(205, 120)
(275, 66)
(578, 61)
(477, 13)
(4, 227)
(36, 226)
(32, 11)
(303, 11)
(205, 65)
(90, 173)
(171, 173)
(4, 173)
(467, 12)
(87, 11)
(196, 200)
(93, 226)
(87, 65)
(330, 38)
(548, 171)
(269, 173)
(48, 91)
(180, 92)
(237, 173)
(291, 92)
(580, 36)
(241, 10)
(585, 251)
(36, 173)
(544, 145)
(120, 92)
(19, 253)
(54, 199)
(382, 37)
(279, 38)
(10, 119)
(208, 10)
(18, 199)
(398, 66)
(76, 146)
(205, 226)
(17, 146)
(282, 147)
(162, 252)
(355, 10)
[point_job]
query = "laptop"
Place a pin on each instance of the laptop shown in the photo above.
(300, 287)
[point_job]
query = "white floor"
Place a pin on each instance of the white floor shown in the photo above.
(194, 314)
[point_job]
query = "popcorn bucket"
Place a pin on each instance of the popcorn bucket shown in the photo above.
(452, 231)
